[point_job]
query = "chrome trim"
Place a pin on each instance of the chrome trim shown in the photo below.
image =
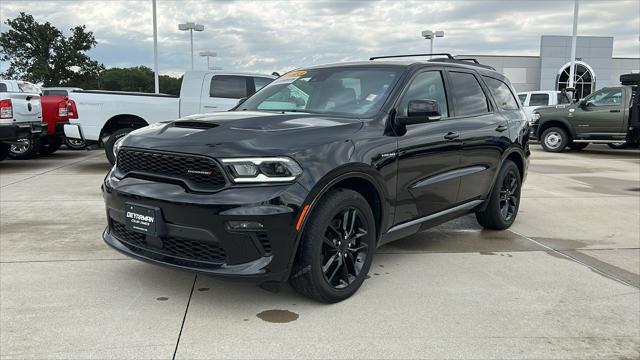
(464, 206)
(601, 141)
(449, 175)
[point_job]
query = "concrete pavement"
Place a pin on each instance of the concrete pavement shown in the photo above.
(563, 283)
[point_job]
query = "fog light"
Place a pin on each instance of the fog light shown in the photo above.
(244, 225)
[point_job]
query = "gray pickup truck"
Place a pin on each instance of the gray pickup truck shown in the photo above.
(607, 116)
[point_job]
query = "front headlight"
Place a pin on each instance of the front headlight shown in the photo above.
(262, 169)
(535, 116)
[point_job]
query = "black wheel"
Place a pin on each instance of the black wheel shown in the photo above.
(25, 148)
(554, 139)
(336, 248)
(577, 146)
(50, 144)
(113, 139)
(618, 145)
(4, 151)
(75, 144)
(504, 201)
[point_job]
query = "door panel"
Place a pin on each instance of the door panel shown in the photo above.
(602, 114)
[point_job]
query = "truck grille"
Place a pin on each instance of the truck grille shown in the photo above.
(198, 173)
(175, 247)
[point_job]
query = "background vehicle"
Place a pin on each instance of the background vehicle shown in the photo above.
(607, 116)
(532, 100)
(20, 119)
(106, 116)
(303, 180)
(57, 109)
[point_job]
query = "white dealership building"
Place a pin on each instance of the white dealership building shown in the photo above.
(595, 65)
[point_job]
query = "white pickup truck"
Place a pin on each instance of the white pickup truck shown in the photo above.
(20, 116)
(532, 100)
(106, 116)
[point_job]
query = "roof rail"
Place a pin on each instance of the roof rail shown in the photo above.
(410, 55)
(469, 59)
(466, 61)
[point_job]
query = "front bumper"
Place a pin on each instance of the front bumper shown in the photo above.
(15, 131)
(195, 232)
(533, 131)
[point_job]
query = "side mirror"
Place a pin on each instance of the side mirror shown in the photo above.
(584, 104)
(421, 111)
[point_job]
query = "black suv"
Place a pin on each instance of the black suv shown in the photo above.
(304, 179)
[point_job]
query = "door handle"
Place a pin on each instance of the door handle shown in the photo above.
(452, 135)
(210, 107)
(502, 128)
(615, 110)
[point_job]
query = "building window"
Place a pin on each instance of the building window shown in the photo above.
(584, 79)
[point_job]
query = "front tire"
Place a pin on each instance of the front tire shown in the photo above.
(110, 144)
(25, 148)
(504, 201)
(336, 248)
(554, 139)
(618, 146)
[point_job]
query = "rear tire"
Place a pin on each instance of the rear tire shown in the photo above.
(336, 248)
(50, 144)
(27, 148)
(554, 139)
(113, 138)
(75, 144)
(4, 150)
(504, 201)
(577, 146)
(618, 146)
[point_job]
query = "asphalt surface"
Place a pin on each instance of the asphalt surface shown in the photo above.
(562, 283)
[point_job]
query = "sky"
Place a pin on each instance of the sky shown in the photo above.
(267, 36)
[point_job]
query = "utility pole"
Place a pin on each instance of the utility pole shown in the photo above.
(572, 67)
(156, 78)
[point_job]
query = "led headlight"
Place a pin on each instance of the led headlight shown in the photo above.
(262, 169)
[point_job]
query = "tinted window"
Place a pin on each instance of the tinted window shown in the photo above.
(228, 86)
(54, 92)
(261, 82)
(522, 98)
(539, 100)
(468, 94)
(563, 99)
(606, 97)
(3, 87)
(426, 86)
(501, 93)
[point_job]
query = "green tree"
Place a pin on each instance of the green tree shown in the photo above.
(139, 79)
(39, 52)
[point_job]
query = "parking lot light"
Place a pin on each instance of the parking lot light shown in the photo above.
(191, 26)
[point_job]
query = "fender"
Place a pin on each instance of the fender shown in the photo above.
(347, 171)
(514, 148)
(561, 120)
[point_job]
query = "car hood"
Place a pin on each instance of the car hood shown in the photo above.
(243, 133)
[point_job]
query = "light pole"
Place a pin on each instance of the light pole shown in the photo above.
(156, 79)
(208, 54)
(430, 35)
(191, 27)
(574, 36)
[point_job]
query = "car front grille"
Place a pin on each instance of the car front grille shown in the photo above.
(175, 247)
(197, 172)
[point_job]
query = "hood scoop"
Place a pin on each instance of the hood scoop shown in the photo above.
(190, 124)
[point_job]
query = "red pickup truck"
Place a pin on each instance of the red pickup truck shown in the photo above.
(57, 109)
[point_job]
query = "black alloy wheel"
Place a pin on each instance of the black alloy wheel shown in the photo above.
(509, 196)
(343, 251)
(501, 207)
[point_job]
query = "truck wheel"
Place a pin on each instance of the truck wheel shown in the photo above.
(336, 248)
(504, 201)
(554, 139)
(4, 151)
(25, 148)
(113, 138)
(618, 145)
(50, 144)
(75, 144)
(577, 146)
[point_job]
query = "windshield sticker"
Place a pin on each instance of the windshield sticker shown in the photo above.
(290, 77)
(371, 97)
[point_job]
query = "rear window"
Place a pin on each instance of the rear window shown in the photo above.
(260, 82)
(468, 95)
(228, 86)
(3, 87)
(29, 88)
(539, 100)
(502, 94)
(46, 92)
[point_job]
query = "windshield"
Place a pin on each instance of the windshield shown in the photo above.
(346, 91)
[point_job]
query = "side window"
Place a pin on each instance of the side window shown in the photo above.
(3, 87)
(501, 93)
(425, 86)
(468, 94)
(29, 88)
(228, 86)
(522, 98)
(261, 82)
(539, 100)
(609, 97)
